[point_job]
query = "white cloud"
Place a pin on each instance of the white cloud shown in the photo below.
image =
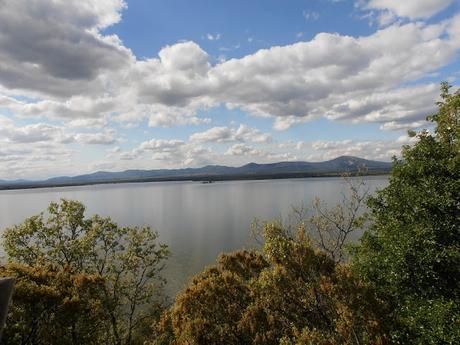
(310, 15)
(115, 149)
(240, 154)
(402, 107)
(243, 150)
(225, 134)
(332, 75)
(159, 145)
(382, 150)
(55, 48)
(328, 145)
(395, 126)
(413, 9)
(41, 132)
(41, 149)
(88, 123)
(167, 119)
(31, 149)
(61, 71)
(215, 134)
(75, 109)
(213, 37)
(161, 153)
(104, 138)
(306, 80)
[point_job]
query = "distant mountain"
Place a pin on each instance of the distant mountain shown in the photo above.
(332, 167)
(9, 182)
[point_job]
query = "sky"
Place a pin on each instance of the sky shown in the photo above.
(90, 85)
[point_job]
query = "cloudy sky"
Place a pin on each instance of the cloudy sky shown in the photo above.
(90, 85)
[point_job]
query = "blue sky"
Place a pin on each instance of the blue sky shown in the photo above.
(90, 85)
(248, 25)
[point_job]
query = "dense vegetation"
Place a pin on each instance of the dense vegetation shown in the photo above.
(288, 293)
(85, 281)
(82, 281)
(411, 252)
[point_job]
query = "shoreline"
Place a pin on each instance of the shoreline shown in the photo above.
(197, 178)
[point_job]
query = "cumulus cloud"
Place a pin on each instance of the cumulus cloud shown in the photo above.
(74, 108)
(171, 119)
(322, 77)
(332, 75)
(164, 153)
(62, 75)
(45, 132)
(39, 132)
(226, 134)
(158, 149)
(159, 145)
(174, 153)
(396, 126)
(170, 89)
(39, 150)
(245, 153)
(413, 9)
(330, 145)
(54, 47)
(243, 150)
(213, 37)
(103, 138)
(400, 107)
(382, 150)
(27, 150)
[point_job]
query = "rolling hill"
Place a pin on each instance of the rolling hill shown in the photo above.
(332, 167)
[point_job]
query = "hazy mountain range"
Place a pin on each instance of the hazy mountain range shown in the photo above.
(332, 167)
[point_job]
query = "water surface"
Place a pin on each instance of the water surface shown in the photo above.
(198, 221)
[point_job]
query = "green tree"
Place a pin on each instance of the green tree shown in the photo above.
(129, 259)
(412, 250)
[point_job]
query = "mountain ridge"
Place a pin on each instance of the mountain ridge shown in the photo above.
(284, 169)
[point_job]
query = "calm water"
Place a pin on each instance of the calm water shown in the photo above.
(197, 221)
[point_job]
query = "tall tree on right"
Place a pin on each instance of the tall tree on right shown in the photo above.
(412, 249)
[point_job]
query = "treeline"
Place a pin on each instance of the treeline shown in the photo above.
(89, 281)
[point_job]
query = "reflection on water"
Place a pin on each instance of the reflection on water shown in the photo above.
(197, 220)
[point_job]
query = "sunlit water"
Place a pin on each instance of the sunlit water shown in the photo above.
(198, 221)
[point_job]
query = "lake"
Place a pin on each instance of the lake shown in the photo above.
(198, 221)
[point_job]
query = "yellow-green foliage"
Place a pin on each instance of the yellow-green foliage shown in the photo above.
(53, 306)
(288, 292)
(128, 260)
